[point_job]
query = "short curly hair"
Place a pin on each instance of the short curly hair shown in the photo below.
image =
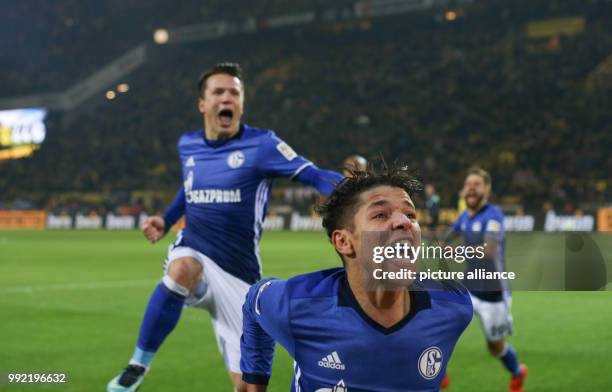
(340, 207)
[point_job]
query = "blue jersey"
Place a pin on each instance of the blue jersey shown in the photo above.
(226, 186)
(336, 345)
(487, 223)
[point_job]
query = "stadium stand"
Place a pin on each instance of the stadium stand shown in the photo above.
(442, 93)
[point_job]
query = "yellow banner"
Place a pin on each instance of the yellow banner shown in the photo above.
(604, 219)
(18, 152)
(35, 219)
(551, 27)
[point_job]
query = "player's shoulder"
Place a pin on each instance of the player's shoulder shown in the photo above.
(323, 283)
(250, 132)
(494, 212)
(190, 137)
(446, 290)
(493, 219)
(463, 215)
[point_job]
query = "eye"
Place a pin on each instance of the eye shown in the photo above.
(380, 216)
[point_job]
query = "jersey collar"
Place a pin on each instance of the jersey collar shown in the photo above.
(480, 211)
(419, 300)
(219, 143)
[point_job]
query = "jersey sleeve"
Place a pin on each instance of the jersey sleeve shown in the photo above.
(276, 158)
(456, 227)
(454, 292)
(494, 227)
(265, 320)
(175, 210)
(325, 181)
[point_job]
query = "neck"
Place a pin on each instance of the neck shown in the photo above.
(473, 211)
(220, 134)
(386, 307)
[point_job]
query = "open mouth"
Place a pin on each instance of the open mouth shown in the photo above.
(225, 117)
(409, 240)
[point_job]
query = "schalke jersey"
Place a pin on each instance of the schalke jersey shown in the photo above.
(488, 222)
(226, 188)
(337, 347)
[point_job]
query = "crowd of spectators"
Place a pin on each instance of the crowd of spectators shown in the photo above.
(48, 46)
(440, 94)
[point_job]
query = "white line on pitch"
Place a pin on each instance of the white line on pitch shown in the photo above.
(77, 286)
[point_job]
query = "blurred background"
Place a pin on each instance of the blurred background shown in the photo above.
(522, 88)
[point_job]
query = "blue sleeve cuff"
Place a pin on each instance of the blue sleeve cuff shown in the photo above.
(325, 181)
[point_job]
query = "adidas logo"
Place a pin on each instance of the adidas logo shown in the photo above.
(190, 162)
(332, 361)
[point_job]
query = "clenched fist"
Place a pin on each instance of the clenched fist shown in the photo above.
(154, 228)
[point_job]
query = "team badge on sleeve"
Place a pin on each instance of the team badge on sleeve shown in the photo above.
(286, 151)
(493, 226)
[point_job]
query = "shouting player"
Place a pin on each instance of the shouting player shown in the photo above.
(344, 331)
(482, 224)
(227, 173)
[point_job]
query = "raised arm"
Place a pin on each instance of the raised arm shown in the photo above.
(323, 180)
(277, 159)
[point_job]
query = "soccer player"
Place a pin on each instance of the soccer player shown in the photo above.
(482, 224)
(227, 173)
(344, 331)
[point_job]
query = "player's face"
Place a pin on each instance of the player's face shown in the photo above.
(429, 190)
(222, 106)
(475, 191)
(382, 209)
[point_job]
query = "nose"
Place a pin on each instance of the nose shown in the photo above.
(227, 96)
(400, 221)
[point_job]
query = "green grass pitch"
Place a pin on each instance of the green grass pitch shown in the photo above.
(72, 301)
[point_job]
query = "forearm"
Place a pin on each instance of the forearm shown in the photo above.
(175, 210)
(256, 346)
(325, 181)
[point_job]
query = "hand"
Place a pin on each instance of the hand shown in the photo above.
(154, 228)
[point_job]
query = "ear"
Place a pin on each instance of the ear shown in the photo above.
(201, 105)
(343, 242)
